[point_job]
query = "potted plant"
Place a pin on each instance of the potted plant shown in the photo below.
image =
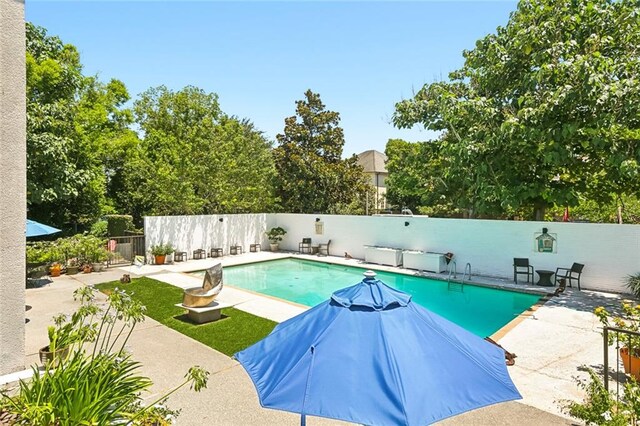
(72, 266)
(275, 236)
(629, 344)
(160, 252)
(61, 337)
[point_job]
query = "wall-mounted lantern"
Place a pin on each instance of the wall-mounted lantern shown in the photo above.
(545, 242)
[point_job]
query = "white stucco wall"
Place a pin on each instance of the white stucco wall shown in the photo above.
(13, 184)
(610, 252)
(188, 233)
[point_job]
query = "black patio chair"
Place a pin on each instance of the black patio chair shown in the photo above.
(520, 263)
(570, 274)
(305, 245)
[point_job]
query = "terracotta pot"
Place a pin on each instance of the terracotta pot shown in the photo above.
(53, 357)
(160, 259)
(631, 363)
(54, 270)
(86, 269)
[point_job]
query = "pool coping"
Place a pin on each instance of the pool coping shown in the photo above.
(498, 284)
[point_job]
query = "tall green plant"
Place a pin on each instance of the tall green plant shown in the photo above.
(93, 386)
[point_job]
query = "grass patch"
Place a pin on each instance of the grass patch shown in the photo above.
(235, 331)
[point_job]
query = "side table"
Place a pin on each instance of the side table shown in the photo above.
(199, 254)
(545, 277)
(216, 252)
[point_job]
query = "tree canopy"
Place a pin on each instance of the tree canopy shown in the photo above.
(69, 117)
(544, 112)
(194, 159)
(312, 176)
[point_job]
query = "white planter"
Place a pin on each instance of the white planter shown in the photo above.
(424, 261)
(383, 255)
(274, 247)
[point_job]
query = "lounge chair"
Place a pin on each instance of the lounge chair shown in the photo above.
(323, 248)
(305, 246)
(570, 274)
(518, 264)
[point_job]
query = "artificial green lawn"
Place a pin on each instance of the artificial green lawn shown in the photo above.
(236, 330)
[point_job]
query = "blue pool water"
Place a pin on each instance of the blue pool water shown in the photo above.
(480, 310)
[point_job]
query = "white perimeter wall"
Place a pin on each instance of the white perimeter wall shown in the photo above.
(610, 252)
(188, 233)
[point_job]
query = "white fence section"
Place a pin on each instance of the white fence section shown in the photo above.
(610, 252)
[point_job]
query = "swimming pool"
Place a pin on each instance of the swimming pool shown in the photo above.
(481, 310)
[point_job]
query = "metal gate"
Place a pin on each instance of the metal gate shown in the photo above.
(123, 250)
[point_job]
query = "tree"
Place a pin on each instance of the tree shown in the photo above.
(312, 176)
(69, 119)
(194, 159)
(544, 112)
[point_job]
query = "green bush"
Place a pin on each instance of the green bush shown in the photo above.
(100, 229)
(601, 407)
(118, 223)
(633, 283)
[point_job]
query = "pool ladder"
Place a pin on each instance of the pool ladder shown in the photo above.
(452, 271)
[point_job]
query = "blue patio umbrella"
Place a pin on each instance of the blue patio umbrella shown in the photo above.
(370, 355)
(36, 229)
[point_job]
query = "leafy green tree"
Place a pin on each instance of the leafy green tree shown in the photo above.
(312, 176)
(544, 112)
(70, 117)
(194, 159)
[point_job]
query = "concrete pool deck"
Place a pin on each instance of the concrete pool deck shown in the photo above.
(552, 344)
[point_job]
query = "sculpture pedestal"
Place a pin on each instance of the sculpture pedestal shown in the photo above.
(205, 314)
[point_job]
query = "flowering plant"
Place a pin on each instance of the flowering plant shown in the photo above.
(629, 320)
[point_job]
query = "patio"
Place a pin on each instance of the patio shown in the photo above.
(552, 344)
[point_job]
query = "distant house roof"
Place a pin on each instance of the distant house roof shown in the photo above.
(373, 161)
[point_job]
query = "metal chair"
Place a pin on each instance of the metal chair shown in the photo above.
(518, 264)
(323, 249)
(568, 274)
(305, 246)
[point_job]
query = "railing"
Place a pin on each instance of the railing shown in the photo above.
(124, 249)
(628, 344)
(467, 267)
(452, 270)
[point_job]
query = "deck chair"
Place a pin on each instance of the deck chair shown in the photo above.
(323, 249)
(305, 246)
(521, 267)
(570, 274)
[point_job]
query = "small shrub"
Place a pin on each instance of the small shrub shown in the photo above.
(601, 407)
(633, 284)
(275, 234)
(162, 249)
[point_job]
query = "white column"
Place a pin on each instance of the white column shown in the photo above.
(12, 185)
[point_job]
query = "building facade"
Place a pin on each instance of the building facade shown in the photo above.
(374, 164)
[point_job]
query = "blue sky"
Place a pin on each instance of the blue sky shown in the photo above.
(260, 57)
